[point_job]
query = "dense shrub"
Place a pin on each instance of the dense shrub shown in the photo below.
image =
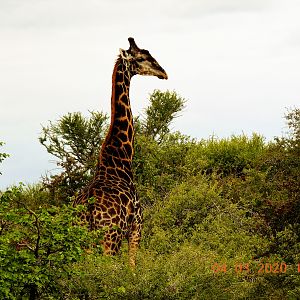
(37, 247)
(231, 156)
(159, 166)
(221, 216)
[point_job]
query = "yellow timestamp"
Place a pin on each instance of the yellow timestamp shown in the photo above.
(259, 268)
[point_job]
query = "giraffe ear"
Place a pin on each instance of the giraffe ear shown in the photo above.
(124, 54)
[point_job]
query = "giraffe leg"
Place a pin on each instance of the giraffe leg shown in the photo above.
(112, 242)
(133, 244)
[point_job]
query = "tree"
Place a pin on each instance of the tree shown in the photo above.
(163, 108)
(75, 141)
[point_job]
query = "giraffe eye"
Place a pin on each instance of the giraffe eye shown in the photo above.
(140, 59)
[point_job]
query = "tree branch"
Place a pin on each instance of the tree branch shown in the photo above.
(37, 226)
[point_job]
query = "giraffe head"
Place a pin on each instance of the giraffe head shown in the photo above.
(140, 61)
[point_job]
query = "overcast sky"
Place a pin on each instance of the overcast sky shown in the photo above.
(237, 63)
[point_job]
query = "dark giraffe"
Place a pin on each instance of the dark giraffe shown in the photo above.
(115, 204)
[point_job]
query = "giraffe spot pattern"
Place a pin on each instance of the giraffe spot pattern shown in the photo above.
(116, 202)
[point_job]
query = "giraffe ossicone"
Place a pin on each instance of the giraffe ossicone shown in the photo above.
(115, 202)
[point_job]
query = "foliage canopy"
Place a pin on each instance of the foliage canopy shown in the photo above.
(221, 216)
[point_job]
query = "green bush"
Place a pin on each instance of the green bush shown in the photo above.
(225, 156)
(159, 166)
(219, 214)
(37, 247)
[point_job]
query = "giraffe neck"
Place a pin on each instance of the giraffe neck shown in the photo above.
(117, 149)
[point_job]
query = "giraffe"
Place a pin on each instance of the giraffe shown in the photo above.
(115, 204)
